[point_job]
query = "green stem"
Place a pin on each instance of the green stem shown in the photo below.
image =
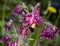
(3, 15)
(48, 16)
(38, 37)
(15, 30)
(4, 7)
(26, 11)
(56, 22)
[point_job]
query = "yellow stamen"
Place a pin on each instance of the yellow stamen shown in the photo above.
(33, 25)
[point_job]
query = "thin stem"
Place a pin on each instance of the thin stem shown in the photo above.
(15, 29)
(16, 33)
(49, 3)
(56, 22)
(3, 15)
(26, 11)
(48, 16)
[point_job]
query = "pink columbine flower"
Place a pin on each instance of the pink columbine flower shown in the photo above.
(33, 18)
(48, 32)
(18, 9)
(24, 31)
(5, 38)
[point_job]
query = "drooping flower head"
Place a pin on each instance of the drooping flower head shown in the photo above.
(24, 31)
(8, 25)
(48, 32)
(18, 9)
(5, 38)
(33, 17)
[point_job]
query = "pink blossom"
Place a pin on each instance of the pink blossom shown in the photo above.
(6, 38)
(8, 25)
(18, 9)
(24, 31)
(48, 32)
(33, 18)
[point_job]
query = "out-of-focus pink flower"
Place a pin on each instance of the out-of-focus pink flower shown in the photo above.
(5, 38)
(8, 25)
(48, 32)
(33, 18)
(13, 43)
(18, 9)
(24, 31)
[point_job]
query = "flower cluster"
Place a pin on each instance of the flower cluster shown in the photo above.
(28, 22)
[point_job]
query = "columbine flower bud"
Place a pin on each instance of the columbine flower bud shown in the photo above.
(8, 25)
(5, 38)
(18, 9)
